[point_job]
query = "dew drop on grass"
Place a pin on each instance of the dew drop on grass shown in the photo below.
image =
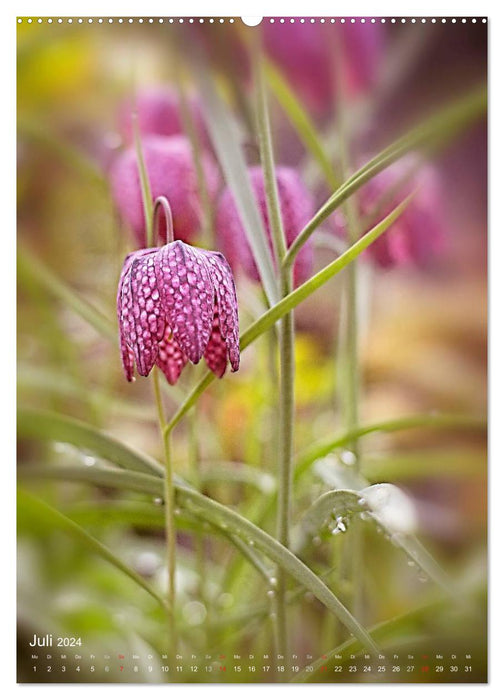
(176, 511)
(411, 562)
(270, 594)
(273, 582)
(422, 577)
(316, 541)
(339, 526)
(89, 460)
(251, 543)
(158, 501)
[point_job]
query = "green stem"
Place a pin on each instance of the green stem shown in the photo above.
(196, 146)
(349, 338)
(169, 499)
(286, 419)
(144, 182)
(289, 302)
(200, 540)
(434, 132)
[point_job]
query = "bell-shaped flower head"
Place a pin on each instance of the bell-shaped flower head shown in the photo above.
(159, 113)
(419, 234)
(172, 174)
(177, 304)
(296, 206)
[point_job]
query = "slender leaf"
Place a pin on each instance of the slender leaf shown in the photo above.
(289, 302)
(68, 155)
(434, 421)
(45, 425)
(27, 503)
(441, 128)
(225, 139)
(301, 121)
(340, 503)
(31, 267)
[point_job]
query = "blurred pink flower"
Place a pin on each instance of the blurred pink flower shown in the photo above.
(297, 207)
(170, 167)
(159, 113)
(174, 304)
(419, 233)
(306, 53)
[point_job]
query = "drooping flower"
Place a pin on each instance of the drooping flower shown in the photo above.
(307, 51)
(159, 113)
(172, 174)
(419, 234)
(296, 206)
(177, 304)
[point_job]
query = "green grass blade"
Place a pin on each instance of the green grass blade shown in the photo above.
(44, 513)
(301, 121)
(222, 131)
(338, 503)
(428, 420)
(109, 477)
(227, 519)
(45, 425)
(232, 523)
(29, 267)
(69, 156)
(439, 129)
(289, 302)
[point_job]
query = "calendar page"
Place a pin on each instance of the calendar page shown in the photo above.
(252, 350)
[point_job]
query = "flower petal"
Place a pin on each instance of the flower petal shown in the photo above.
(216, 350)
(170, 360)
(144, 324)
(187, 296)
(227, 304)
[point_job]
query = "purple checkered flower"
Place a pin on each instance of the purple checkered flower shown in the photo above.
(419, 235)
(159, 113)
(172, 174)
(174, 304)
(296, 206)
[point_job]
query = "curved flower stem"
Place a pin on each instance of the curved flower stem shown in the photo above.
(162, 205)
(169, 499)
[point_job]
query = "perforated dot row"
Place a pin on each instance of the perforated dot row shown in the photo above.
(231, 20)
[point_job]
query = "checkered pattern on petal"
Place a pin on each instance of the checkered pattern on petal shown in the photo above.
(216, 351)
(171, 359)
(141, 321)
(187, 296)
(227, 304)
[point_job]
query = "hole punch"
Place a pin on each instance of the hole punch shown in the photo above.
(252, 21)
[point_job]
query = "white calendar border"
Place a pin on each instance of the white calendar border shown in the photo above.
(7, 297)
